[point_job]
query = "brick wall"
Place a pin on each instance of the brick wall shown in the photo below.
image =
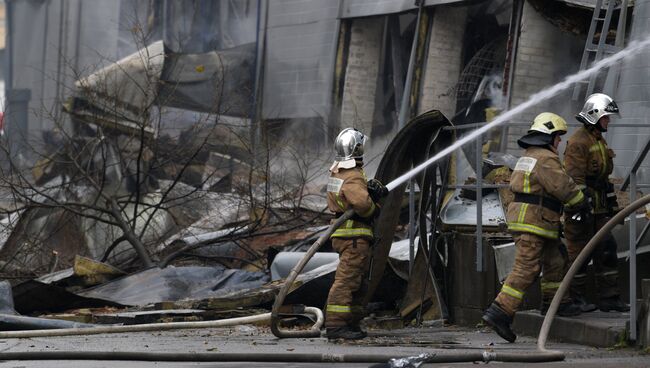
(361, 74)
(443, 62)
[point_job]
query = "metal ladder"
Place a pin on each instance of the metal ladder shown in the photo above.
(596, 51)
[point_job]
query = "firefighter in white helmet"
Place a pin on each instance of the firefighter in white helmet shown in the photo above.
(348, 188)
(542, 191)
(589, 161)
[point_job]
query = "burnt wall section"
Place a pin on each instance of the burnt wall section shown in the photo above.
(361, 74)
(443, 62)
(546, 54)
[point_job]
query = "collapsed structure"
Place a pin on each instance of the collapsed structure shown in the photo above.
(177, 144)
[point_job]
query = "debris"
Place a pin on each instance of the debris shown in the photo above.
(93, 272)
(284, 262)
(33, 296)
(410, 362)
(10, 322)
(174, 284)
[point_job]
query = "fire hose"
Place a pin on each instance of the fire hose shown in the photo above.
(579, 261)
(540, 355)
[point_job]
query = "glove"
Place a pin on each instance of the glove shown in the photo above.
(582, 212)
(376, 190)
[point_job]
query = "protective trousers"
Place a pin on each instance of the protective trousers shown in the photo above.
(344, 300)
(532, 255)
(604, 257)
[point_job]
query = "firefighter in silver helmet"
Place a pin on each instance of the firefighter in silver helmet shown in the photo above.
(348, 188)
(589, 161)
(542, 191)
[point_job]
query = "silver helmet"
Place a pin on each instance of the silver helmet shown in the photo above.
(596, 106)
(349, 144)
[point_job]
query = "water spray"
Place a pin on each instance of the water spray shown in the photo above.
(541, 355)
(634, 48)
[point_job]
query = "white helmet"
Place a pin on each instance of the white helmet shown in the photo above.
(596, 106)
(349, 144)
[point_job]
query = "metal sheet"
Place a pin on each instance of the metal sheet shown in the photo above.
(365, 8)
(301, 41)
(175, 283)
(462, 211)
(410, 145)
(284, 262)
(31, 296)
(504, 256)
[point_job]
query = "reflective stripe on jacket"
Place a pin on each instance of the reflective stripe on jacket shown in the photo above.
(540, 172)
(589, 161)
(348, 188)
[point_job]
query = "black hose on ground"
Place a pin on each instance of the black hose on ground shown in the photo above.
(279, 299)
(276, 357)
(579, 261)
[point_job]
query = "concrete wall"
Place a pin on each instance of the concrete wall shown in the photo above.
(545, 56)
(443, 61)
(50, 42)
(361, 74)
(632, 96)
(299, 64)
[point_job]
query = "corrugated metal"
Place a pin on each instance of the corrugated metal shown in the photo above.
(364, 8)
(581, 3)
(632, 97)
(300, 51)
(53, 40)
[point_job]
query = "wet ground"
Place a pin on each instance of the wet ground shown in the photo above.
(251, 339)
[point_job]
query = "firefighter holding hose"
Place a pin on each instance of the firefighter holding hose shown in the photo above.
(348, 188)
(542, 191)
(589, 161)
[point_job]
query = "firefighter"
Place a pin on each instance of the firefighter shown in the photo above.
(348, 188)
(589, 162)
(542, 190)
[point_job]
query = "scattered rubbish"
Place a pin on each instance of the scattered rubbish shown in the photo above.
(410, 362)
(247, 329)
(406, 362)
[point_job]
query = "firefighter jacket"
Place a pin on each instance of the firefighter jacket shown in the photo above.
(348, 188)
(542, 188)
(589, 162)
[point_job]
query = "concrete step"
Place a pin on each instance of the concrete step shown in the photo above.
(599, 329)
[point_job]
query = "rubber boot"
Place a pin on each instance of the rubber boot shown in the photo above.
(357, 328)
(499, 321)
(345, 332)
(567, 309)
(578, 290)
(585, 307)
(613, 303)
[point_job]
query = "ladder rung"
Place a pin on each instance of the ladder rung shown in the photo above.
(611, 49)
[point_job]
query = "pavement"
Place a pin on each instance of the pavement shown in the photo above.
(249, 339)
